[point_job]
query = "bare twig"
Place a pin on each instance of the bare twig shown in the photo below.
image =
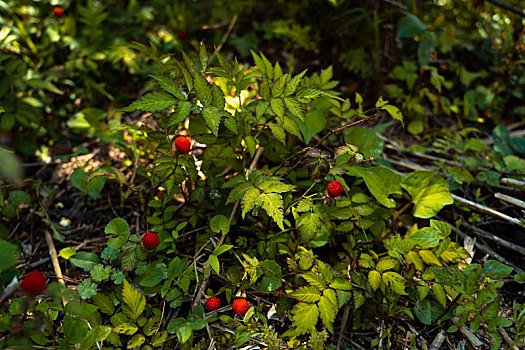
(487, 210)
(509, 199)
(487, 235)
(438, 340)
(54, 257)
(473, 340)
(225, 36)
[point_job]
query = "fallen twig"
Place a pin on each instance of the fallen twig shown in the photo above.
(488, 210)
(509, 199)
(471, 337)
(482, 233)
(438, 340)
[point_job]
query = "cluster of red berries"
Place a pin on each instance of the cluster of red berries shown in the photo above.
(239, 306)
(34, 282)
(58, 11)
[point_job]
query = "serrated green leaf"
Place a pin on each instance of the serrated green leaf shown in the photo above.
(308, 225)
(386, 264)
(258, 62)
(119, 227)
(261, 108)
(274, 185)
(294, 107)
(239, 192)
(374, 278)
(152, 102)
(203, 57)
(219, 223)
(212, 116)
(394, 112)
(126, 328)
(328, 308)
(308, 294)
(293, 84)
(304, 205)
(181, 112)
(159, 338)
(272, 203)
(277, 106)
(104, 303)
(249, 200)
(134, 302)
(264, 89)
(218, 97)
(268, 66)
(308, 94)
(314, 279)
(496, 270)
(429, 257)
(203, 90)
(429, 193)
(136, 341)
(304, 318)
(343, 297)
(95, 335)
(341, 283)
(278, 86)
(278, 132)
(170, 85)
(395, 281)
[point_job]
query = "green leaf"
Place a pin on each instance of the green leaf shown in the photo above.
(308, 294)
(94, 335)
(182, 111)
(134, 302)
(294, 83)
(315, 121)
(248, 200)
(152, 277)
(381, 182)
(104, 303)
(261, 108)
(496, 270)
(314, 279)
(136, 341)
(126, 328)
(341, 283)
(65, 253)
(278, 85)
(219, 223)
(8, 258)
(409, 26)
(423, 312)
(308, 225)
(203, 90)
(374, 278)
(439, 293)
(272, 203)
(277, 106)
(85, 260)
(441, 227)
(218, 97)
(212, 116)
(429, 257)
(427, 237)
(152, 102)
(272, 276)
(87, 289)
(119, 227)
(413, 258)
(304, 318)
(394, 112)
(328, 308)
(386, 264)
(170, 86)
(366, 139)
(429, 193)
(100, 272)
(294, 107)
(395, 281)
(214, 263)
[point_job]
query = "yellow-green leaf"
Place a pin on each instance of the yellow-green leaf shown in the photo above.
(386, 264)
(374, 278)
(328, 308)
(429, 257)
(134, 302)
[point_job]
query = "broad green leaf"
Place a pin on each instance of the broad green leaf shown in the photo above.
(427, 237)
(8, 258)
(307, 294)
(423, 312)
(394, 112)
(441, 227)
(104, 303)
(314, 122)
(314, 279)
(152, 277)
(386, 264)
(374, 278)
(381, 182)
(429, 257)
(202, 89)
(214, 263)
(152, 102)
(409, 26)
(413, 258)
(272, 276)
(85, 260)
(134, 302)
(305, 317)
(212, 116)
(278, 132)
(328, 308)
(496, 270)
(219, 223)
(277, 106)
(439, 293)
(366, 139)
(429, 193)
(170, 85)
(119, 227)
(126, 328)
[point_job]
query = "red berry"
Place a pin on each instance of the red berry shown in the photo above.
(182, 35)
(240, 306)
(34, 282)
(335, 188)
(183, 144)
(59, 12)
(150, 240)
(213, 303)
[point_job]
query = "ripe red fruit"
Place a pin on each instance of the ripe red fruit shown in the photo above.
(240, 306)
(57, 11)
(183, 144)
(34, 282)
(182, 35)
(213, 303)
(150, 240)
(334, 188)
